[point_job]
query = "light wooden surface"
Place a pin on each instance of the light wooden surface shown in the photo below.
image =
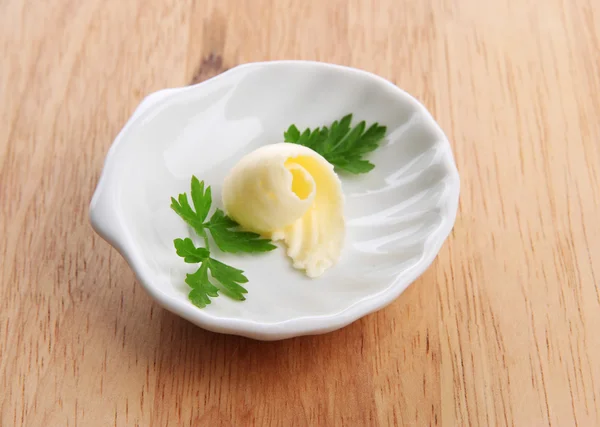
(501, 330)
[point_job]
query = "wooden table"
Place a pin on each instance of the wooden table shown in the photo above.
(501, 330)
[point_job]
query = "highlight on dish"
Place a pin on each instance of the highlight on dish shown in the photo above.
(288, 192)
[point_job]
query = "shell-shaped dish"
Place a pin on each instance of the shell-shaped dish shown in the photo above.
(398, 215)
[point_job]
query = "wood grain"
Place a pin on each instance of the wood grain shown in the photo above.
(500, 331)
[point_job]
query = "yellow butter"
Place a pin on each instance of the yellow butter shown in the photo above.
(289, 192)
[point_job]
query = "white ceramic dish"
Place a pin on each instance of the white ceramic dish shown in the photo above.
(398, 215)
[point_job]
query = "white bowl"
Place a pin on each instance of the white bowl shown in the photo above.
(398, 215)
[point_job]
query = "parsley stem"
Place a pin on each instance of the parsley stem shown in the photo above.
(205, 237)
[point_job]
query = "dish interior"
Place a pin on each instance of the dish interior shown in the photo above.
(395, 214)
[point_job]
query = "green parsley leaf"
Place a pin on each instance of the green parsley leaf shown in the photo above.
(292, 134)
(229, 238)
(202, 198)
(230, 278)
(341, 145)
(189, 252)
(224, 230)
(202, 288)
(226, 279)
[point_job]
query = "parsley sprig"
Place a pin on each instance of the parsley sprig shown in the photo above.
(341, 145)
(227, 236)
